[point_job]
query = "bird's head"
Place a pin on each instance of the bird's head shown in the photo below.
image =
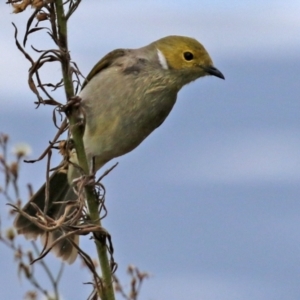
(186, 55)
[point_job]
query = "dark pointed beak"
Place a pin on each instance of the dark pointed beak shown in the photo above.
(214, 71)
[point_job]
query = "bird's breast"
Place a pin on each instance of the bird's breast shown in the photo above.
(122, 110)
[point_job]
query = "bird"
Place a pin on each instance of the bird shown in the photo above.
(125, 97)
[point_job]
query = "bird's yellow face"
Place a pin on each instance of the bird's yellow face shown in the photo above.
(184, 53)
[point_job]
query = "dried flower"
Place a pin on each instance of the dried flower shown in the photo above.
(10, 234)
(42, 16)
(31, 295)
(21, 150)
(14, 168)
(19, 7)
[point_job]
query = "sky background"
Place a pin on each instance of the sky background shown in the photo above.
(209, 203)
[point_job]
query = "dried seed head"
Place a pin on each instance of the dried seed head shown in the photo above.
(19, 7)
(10, 234)
(21, 150)
(38, 3)
(3, 138)
(14, 168)
(31, 295)
(42, 16)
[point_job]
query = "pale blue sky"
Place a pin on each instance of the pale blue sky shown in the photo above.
(209, 203)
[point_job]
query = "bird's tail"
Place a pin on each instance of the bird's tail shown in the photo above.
(59, 191)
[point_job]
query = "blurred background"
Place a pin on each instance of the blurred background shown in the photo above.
(209, 203)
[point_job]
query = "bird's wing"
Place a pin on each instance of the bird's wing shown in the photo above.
(104, 63)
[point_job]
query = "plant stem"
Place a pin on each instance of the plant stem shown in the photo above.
(77, 133)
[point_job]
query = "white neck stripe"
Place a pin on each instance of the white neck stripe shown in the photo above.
(162, 60)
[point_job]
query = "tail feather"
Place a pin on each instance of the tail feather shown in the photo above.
(64, 249)
(59, 190)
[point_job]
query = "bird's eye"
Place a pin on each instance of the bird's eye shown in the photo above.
(188, 56)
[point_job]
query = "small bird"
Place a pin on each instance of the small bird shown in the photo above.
(126, 96)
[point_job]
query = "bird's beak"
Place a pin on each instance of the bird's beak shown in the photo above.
(213, 71)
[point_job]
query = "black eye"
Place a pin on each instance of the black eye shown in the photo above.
(188, 55)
